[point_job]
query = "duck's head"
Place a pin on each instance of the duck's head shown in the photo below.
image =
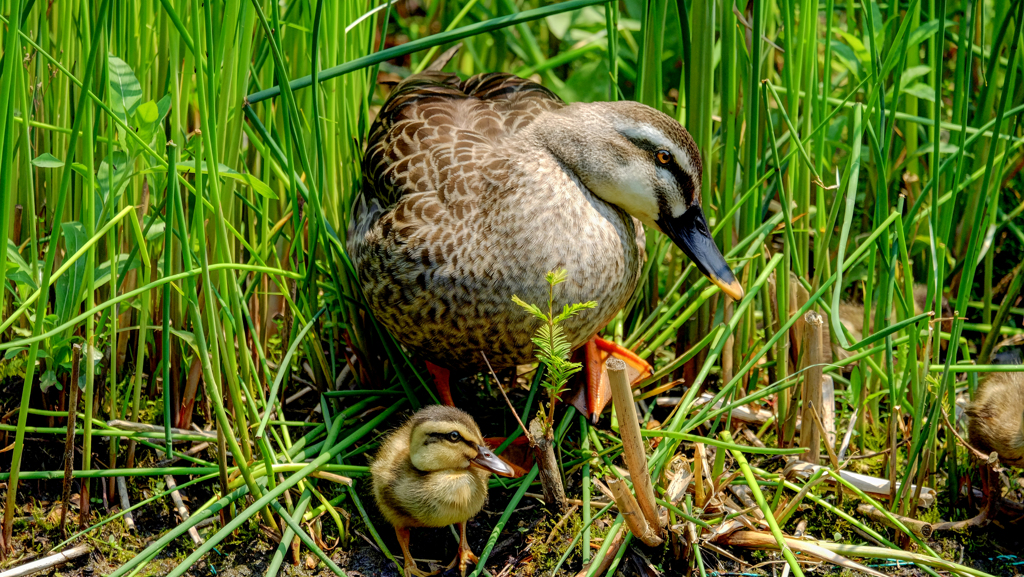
(644, 162)
(446, 438)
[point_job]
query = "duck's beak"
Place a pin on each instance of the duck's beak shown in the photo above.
(690, 232)
(488, 461)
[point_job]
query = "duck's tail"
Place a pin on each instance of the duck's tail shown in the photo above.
(443, 59)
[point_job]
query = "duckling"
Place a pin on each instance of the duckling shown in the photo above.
(433, 472)
(997, 417)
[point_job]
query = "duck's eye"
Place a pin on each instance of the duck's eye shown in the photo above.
(664, 157)
(454, 436)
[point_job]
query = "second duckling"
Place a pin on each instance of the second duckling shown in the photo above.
(433, 472)
(997, 417)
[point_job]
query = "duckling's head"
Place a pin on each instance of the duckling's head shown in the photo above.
(445, 438)
(644, 162)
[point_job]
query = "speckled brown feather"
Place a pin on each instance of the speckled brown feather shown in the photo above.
(459, 211)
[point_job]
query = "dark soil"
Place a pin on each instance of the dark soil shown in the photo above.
(249, 551)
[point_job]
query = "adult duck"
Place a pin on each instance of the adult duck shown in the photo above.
(474, 189)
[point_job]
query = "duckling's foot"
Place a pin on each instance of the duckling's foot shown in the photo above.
(598, 390)
(465, 554)
(410, 563)
(412, 569)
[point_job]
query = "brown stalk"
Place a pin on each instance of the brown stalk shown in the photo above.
(574, 502)
(810, 436)
(613, 550)
(122, 491)
(181, 509)
(635, 518)
(511, 408)
(920, 528)
(764, 540)
(632, 443)
(146, 428)
(824, 433)
(48, 562)
(547, 465)
(69, 441)
(699, 466)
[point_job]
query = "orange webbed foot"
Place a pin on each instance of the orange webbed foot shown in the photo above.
(597, 391)
(465, 555)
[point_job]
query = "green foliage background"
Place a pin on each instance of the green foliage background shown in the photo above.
(173, 199)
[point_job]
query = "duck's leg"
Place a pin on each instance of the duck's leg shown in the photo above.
(465, 554)
(410, 563)
(598, 392)
(441, 377)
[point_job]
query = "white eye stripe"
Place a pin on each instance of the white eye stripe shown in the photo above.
(646, 132)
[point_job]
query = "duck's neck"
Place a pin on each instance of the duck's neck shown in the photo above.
(585, 139)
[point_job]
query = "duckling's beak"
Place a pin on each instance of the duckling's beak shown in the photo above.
(488, 461)
(690, 232)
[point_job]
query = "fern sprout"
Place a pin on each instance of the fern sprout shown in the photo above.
(552, 348)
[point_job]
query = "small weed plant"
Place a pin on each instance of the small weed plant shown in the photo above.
(552, 347)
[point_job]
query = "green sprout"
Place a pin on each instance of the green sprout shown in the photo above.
(552, 347)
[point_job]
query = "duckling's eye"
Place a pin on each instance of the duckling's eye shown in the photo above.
(454, 436)
(663, 156)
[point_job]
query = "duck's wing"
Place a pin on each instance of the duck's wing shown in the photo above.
(434, 130)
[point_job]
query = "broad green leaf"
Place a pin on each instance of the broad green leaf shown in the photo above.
(11, 353)
(70, 283)
(17, 269)
(47, 160)
(163, 106)
(913, 73)
(156, 231)
(848, 56)
(258, 185)
(921, 90)
(147, 121)
(859, 50)
(927, 30)
(14, 257)
(147, 113)
(125, 91)
(113, 167)
(47, 380)
(186, 336)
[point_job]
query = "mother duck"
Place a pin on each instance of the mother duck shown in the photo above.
(474, 189)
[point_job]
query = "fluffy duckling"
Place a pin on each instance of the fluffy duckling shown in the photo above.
(433, 472)
(997, 417)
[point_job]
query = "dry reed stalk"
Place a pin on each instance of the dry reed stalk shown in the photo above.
(122, 491)
(48, 562)
(920, 528)
(606, 562)
(181, 509)
(144, 428)
(877, 487)
(828, 408)
(809, 436)
(574, 502)
(632, 443)
(764, 540)
(635, 518)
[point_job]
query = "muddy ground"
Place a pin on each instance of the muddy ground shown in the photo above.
(521, 551)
